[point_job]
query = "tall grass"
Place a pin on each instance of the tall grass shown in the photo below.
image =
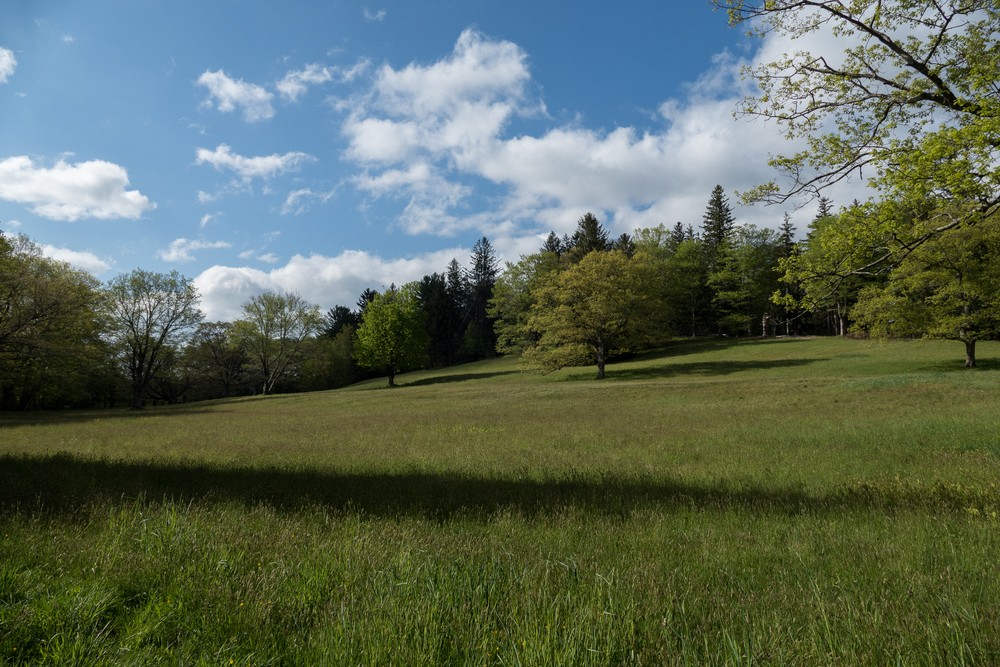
(781, 502)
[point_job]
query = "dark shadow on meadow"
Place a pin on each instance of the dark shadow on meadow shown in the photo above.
(61, 485)
(461, 377)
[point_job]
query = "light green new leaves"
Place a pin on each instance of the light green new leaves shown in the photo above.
(604, 304)
(391, 337)
(912, 101)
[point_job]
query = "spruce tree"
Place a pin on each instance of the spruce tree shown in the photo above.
(590, 236)
(481, 277)
(718, 220)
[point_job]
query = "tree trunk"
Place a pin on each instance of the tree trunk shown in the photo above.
(600, 362)
(970, 353)
(392, 377)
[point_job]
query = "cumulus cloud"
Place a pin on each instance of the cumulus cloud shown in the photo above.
(8, 63)
(92, 189)
(180, 250)
(325, 281)
(265, 166)
(83, 260)
(435, 135)
(296, 83)
(227, 94)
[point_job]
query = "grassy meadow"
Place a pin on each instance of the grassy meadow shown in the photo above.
(774, 502)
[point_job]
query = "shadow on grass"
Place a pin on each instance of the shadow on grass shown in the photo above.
(711, 368)
(697, 368)
(11, 419)
(460, 377)
(64, 486)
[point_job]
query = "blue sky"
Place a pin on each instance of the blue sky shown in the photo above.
(323, 148)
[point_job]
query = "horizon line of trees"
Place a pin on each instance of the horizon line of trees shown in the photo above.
(581, 299)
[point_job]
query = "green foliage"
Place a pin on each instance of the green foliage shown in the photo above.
(479, 336)
(150, 315)
(745, 278)
(718, 221)
(605, 304)
(217, 361)
(911, 99)
(513, 297)
(50, 351)
(590, 236)
(392, 338)
(949, 288)
(273, 330)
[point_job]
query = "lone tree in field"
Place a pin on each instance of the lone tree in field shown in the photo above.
(150, 315)
(911, 101)
(392, 338)
(606, 303)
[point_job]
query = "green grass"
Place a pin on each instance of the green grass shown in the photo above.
(779, 502)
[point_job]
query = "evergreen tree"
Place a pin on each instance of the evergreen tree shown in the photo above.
(482, 275)
(718, 220)
(553, 244)
(678, 235)
(825, 208)
(589, 236)
(458, 292)
(337, 318)
(367, 296)
(441, 317)
(625, 244)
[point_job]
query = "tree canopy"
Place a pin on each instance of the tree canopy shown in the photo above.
(606, 303)
(151, 313)
(910, 101)
(392, 337)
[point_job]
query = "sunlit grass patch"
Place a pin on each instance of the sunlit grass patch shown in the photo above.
(720, 502)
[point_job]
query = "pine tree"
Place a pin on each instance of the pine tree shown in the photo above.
(590, 236)
(553, 244)
(825, 208)
(481, 277)
(718, 220)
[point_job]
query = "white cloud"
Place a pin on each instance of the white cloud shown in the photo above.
(228, 94)
(92, 189)
(85, 261)
(8, 63)
(435, 136)
(325, 281)
(208, 219)
(180, 250)
(297, 83)
(301, 200)
(374, 16)
(453, 106)
(247, 168)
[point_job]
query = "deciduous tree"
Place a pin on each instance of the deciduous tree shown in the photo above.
(606, 303)
(949, 288)
(392, 339)
(273, 329)
(149, 314)
(910, 99)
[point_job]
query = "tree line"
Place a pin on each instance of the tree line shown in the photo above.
(68, 341)
(913, 102)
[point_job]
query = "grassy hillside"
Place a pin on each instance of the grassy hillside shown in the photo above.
(781, 502)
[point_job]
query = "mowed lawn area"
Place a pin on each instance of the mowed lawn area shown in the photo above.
(766, 502)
